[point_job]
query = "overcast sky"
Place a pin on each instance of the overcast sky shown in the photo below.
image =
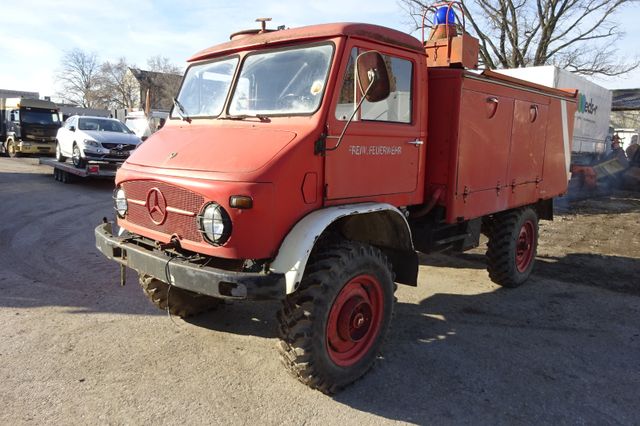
(35, 33)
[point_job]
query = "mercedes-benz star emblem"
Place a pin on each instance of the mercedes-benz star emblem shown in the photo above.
(156, 206)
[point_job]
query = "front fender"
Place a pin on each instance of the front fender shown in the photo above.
(296, 248)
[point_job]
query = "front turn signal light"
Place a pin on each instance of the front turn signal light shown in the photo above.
(241, 202)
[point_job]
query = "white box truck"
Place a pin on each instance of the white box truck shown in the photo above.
(591, 138)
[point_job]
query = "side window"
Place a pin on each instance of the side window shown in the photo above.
(396, 108)
(346, 103)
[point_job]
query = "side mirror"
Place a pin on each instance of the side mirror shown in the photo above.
(72, 128)
(372, 71)
(144, 138)
(375, 86)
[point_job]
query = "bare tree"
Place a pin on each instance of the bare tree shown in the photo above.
(578, 35)
(79, 78)
(162, 64)
(119, 87)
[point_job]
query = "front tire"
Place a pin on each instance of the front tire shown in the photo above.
(76, 157)
(180, 302)
(333, 326)
(61, 158)
(511, 251)
(12, 149)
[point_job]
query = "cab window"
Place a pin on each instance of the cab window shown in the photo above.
(396, 108)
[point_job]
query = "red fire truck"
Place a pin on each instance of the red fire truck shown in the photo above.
(308, 165)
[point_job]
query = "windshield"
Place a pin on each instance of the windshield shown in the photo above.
(102, 125)
(137, 124)
(205, 88)
(282, 82)
(30, 116)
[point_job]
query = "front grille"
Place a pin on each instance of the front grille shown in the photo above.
(176, 197)
(125, 147)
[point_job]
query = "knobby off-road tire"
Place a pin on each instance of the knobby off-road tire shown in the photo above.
(332, 327)
(182, 303)
(511, 251)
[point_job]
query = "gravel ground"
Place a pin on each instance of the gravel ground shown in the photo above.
(77, 348)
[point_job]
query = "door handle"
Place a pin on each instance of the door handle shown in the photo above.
(533, 113)
(492, 106)
(417, 142)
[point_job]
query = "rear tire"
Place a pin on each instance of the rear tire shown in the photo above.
(182, 303)
(333, 326)
(61, 158)
(511, 251)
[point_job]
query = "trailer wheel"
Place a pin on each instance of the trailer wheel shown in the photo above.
(12, 149)
(182, 303)
(512, 247)
(76, 157)
(333, 326)
(61, 158)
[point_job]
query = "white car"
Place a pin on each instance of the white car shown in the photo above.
(84, 138)
(142, 126)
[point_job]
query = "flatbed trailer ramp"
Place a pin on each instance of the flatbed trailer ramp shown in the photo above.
(67, 173)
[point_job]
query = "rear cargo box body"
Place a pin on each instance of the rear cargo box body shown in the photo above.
(494, 145)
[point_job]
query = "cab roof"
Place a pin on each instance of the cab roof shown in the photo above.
(28, 103)
(370, 32)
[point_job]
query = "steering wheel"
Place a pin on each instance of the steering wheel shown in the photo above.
(287, 101)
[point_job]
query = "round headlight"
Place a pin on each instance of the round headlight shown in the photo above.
(215, 224)
(120, 201)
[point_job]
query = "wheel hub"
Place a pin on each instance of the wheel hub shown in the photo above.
(525, 246)
(354, 320)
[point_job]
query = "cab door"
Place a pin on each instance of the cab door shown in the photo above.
(381, 149)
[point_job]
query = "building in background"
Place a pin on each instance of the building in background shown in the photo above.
(625, 109)
(67, 110)
(5, 93)
(161, 87)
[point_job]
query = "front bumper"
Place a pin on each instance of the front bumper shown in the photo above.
(36, 148)
(187, 275)
(109, 157)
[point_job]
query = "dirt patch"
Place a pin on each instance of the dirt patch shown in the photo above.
(594, 242)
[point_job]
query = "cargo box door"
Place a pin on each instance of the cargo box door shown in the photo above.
(484, 134)
(528, 139)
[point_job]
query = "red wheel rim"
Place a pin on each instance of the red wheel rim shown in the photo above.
(525, 246)
(354, 320)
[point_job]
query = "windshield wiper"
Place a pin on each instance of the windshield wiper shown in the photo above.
(181, 111)
(261, 117)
